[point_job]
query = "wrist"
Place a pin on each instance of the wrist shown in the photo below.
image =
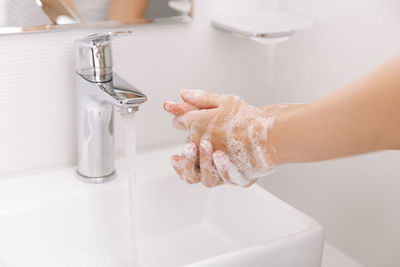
(276, 150)
(280, 141)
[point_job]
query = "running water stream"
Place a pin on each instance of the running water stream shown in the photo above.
(128, 121)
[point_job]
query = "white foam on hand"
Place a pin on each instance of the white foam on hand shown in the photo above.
(238, 133)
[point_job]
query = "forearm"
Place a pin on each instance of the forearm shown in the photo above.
(362, 117)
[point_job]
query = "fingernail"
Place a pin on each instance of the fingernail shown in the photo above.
(167, 105)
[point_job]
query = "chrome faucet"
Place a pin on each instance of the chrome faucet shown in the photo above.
(99, 92)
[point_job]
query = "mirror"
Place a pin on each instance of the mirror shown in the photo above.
(35, 15)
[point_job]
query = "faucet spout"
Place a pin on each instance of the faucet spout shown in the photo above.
(123, 95)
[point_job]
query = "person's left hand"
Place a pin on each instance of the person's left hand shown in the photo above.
(227, 139)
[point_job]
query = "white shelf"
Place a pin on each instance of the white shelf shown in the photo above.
(261, 26)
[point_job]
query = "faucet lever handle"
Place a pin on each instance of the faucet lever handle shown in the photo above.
(93, 56)
(119, 33)
(100, 38)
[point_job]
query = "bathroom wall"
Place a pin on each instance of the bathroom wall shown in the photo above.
(357, 199)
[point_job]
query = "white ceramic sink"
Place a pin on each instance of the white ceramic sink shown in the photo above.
(52, 219)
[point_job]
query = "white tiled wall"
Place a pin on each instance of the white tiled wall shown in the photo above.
(355, 34)
(357, 200)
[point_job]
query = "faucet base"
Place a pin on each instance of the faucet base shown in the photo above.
(95, 180)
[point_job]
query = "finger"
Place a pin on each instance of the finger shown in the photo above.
(222, 165)
(182, 167)
(198, 118)
(228, 171)
(251, 182)
(175, 161)
(209, 174)
(185, 165)
(201, 99)
(191, 170)
(178, 108)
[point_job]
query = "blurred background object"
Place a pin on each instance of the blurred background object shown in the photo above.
(30, 14)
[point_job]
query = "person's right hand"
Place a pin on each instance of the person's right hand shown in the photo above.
(230, 134)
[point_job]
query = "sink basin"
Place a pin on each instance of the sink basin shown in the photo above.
(52, 219)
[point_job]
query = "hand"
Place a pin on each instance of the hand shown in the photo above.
(211, 168)
(235, 129)
(255, 139)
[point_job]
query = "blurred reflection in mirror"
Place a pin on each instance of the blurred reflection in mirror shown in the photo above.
(123, 10)
(25, 13)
